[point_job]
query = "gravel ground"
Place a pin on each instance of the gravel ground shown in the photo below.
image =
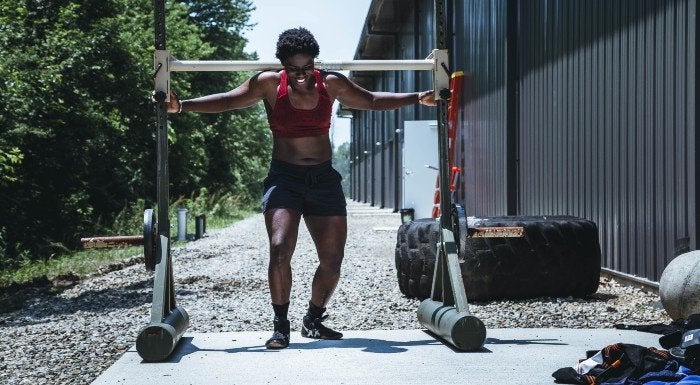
(221, 280)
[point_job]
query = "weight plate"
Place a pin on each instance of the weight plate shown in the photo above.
(460, 227)
(149, 239)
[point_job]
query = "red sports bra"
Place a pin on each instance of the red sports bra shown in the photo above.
(289, 122)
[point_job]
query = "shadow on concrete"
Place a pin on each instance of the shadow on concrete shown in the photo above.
(451, 347)
(544, 341)
(497, 341)
(186, 347)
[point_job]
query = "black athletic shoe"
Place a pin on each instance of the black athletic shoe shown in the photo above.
(280, 337)
(313, 328)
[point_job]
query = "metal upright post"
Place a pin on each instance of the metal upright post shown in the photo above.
(168, 323)
(446, 312)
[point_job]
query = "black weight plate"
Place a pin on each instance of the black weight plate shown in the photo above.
(460, 228)
(149, 239)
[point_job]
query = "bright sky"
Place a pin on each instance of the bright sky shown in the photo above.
(335, 24)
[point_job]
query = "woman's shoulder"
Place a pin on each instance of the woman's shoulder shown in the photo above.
(334, 79)
(332, 76)
(265, 80)
(268, 76)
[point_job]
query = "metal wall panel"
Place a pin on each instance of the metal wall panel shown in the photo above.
(582, 107)
(607, 123)
(376, 143)
(479, 47)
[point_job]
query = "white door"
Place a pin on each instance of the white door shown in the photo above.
(420, 163)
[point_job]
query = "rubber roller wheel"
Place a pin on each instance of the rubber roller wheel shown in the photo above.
(150, 229)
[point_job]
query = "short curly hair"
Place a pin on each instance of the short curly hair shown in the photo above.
(295, 41)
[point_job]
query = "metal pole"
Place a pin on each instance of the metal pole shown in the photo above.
(163, 194)
(435, 62)
(182, 224)
(168, 323)
(329, 65)
(107, 242)
(199, 227)
(446, 312)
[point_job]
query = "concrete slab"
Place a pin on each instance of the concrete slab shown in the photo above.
(510, 356)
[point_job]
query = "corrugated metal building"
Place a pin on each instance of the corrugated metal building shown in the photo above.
(583, 108)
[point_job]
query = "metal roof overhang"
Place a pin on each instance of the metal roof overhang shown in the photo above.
(378, 38)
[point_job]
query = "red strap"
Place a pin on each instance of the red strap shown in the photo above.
(452, 123)
(282, 91)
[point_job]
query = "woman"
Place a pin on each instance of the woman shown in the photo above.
(301, 180)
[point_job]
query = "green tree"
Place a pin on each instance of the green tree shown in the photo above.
(235, 148)
(341, 162)
(9, 158)
(71, 85)
(77, 128)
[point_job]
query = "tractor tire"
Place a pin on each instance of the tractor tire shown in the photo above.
(558, 256)
(415, 256)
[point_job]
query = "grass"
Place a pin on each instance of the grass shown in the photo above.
(221, 210)
(80, 263)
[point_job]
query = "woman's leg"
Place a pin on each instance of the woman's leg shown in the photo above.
(282, 231)
(329, 234)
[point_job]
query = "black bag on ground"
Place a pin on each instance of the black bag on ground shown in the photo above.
(684, 345)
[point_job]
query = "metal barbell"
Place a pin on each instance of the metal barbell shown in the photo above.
(148, 239)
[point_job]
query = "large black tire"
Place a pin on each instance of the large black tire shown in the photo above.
(558, 256)
(415, 256)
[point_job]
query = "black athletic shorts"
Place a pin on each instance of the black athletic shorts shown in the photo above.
(310, 190)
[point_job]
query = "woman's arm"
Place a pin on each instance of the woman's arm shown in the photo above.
(352, 95)
(247, 94)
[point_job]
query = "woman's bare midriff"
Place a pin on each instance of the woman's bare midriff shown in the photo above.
(302, 151)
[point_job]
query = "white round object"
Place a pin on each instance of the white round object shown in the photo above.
(679, 287)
